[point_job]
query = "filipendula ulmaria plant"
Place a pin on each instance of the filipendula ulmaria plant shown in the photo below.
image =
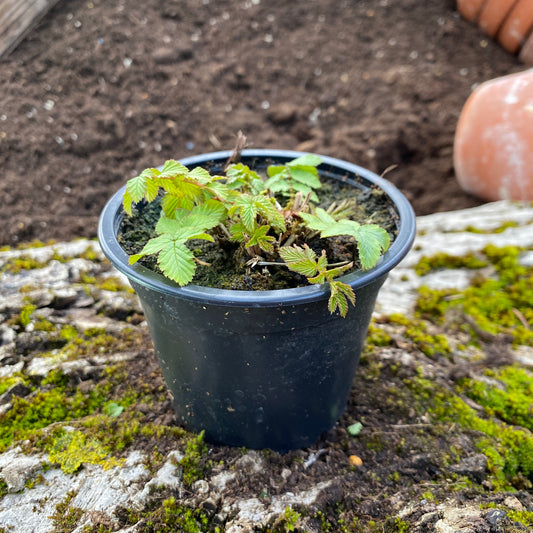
(242, 206)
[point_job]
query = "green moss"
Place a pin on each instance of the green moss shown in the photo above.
(14, 265)
(66, 517)
(112, 283)
(508, 397)
(396, 525)
(171, 517)
(10, 381)
(416, 331)
(499, 229)
(194, 462)
(28, 415)
(443, 260)
(71, 449)
(23, 318)
(499, 305)
(522, 517)
(376, 336)
(3, 488)
(509, 449)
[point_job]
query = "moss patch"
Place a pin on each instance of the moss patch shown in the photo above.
(496, 305)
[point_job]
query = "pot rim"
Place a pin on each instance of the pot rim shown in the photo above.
(111, 215)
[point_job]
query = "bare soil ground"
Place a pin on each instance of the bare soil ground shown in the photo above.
(101, 90)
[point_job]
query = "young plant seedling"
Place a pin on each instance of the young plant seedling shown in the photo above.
(243, 207)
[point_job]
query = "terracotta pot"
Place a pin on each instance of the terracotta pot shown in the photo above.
(517, 25)
(526, 54)
(493, 148)
(508, 21)
(492, 15)
(470, 9)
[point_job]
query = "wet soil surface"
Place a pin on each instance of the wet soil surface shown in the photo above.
(100, 90)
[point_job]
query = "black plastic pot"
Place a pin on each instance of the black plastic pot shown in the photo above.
(269, 369)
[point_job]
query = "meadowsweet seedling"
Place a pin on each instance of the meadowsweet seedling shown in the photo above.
(245, 209)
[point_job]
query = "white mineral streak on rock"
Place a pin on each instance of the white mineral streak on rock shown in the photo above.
(95, 489)
(252, 512)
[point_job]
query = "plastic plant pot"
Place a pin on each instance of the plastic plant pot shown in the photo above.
(260, 369)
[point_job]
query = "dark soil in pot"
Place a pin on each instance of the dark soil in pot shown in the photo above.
(226, 269)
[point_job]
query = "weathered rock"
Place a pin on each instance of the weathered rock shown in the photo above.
(63, 299)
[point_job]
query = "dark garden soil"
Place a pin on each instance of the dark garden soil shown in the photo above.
(101, 90)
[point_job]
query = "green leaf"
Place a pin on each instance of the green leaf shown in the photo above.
(269, 211)
(177, 262)
(301, 260)
(311, 160)
(173, 168)
(201, 175)
(170, 203)
(113, 409)
(127, 202)
(305, 177)
(355, 429)
(372, 241)
(335, 272)
(153, 246)
(136, 187)
(221, 191)
(168, 225)
(341, 296)
(238, 232)
(342, 227)
(212, 210)
(321, 220)
(260, 237)
(276, 170)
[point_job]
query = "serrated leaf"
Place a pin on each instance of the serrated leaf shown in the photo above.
(127, 202)
(169, 204)
(177, 262)
(318, 279)
(260, 237)
(153, 246)
(201, 175)
(304, 176)
(168, 225)
(342, 227)
(173, 168)
(275, 170)
(221, 191)
(372, 241)
(341, 295)
(188, 189)
(247, 211)
(237, 232)
(136, 187)
(269, 211)
(213, 210)
(337, 271)
(312, 160)
(321, 220)
(295, 253)
(301, 260)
